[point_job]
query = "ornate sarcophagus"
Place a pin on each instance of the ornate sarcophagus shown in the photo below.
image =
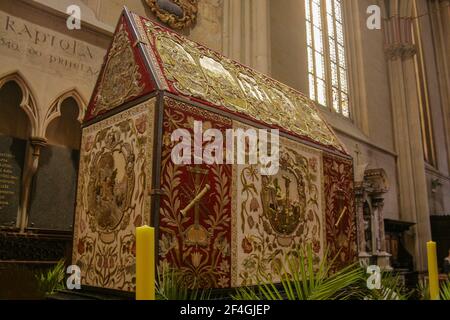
(221, 222)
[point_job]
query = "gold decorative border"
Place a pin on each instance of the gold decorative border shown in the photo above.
(285, 142)
(151, 52)
(140, 29)
(315, 130)
(234, 227)
(121, 44)
(148, 106)
(182, 106)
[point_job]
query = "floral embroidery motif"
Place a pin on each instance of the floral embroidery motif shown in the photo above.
(121, 79)
(277, 215)
(112, 200)
(196, 243)
(340, 211)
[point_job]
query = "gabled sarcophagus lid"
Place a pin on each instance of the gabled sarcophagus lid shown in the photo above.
(220, 223)
(153, 57)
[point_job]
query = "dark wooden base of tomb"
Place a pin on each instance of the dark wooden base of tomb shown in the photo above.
(24, 255)
(91, 294)
(34, 247)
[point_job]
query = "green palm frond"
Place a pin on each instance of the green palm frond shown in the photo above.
(170, 285)
(53, 279)
(392, 288)
(423, 290)
(445, 291)
(301, 279)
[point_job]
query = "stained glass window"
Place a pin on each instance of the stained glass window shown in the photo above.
(327, 65)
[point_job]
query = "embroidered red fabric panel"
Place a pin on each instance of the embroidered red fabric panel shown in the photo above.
(195, 235)
(339, 211)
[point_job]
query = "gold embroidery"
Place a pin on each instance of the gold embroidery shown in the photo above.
(111, 183)
(283, 196)
(112, 197)
(273, 216)
(196, 243)
(177, 14)
(196, 234)
(198, 72)
(121, 79)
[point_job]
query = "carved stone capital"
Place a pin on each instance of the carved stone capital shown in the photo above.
(400, 51)
(399, 38)
(376, 182)
(37, 143)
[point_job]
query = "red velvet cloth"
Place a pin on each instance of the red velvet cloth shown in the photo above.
(206, 263)
(339, 194)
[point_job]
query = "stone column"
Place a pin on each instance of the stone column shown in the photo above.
(232, 29)
(376, 205)
(246, 33)
(400, 51)
(375, 231)
(423, 227)
(439, 11)
(445, 18)
(31, 166)
(383, 258)
(360, 198)
(359, 204)
(445, 53)
(261, 33)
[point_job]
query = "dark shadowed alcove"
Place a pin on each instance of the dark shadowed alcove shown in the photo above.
(53, 192)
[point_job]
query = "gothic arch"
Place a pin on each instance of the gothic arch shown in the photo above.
(28, 102)
(55, 109)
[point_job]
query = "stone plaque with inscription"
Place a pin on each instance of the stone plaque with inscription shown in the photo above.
(53, 192)
(12, 153)
(47, 50)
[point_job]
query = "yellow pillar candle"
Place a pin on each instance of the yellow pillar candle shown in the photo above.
(433, 273)
(145, 263)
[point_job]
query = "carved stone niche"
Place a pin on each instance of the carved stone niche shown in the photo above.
(369, 193)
